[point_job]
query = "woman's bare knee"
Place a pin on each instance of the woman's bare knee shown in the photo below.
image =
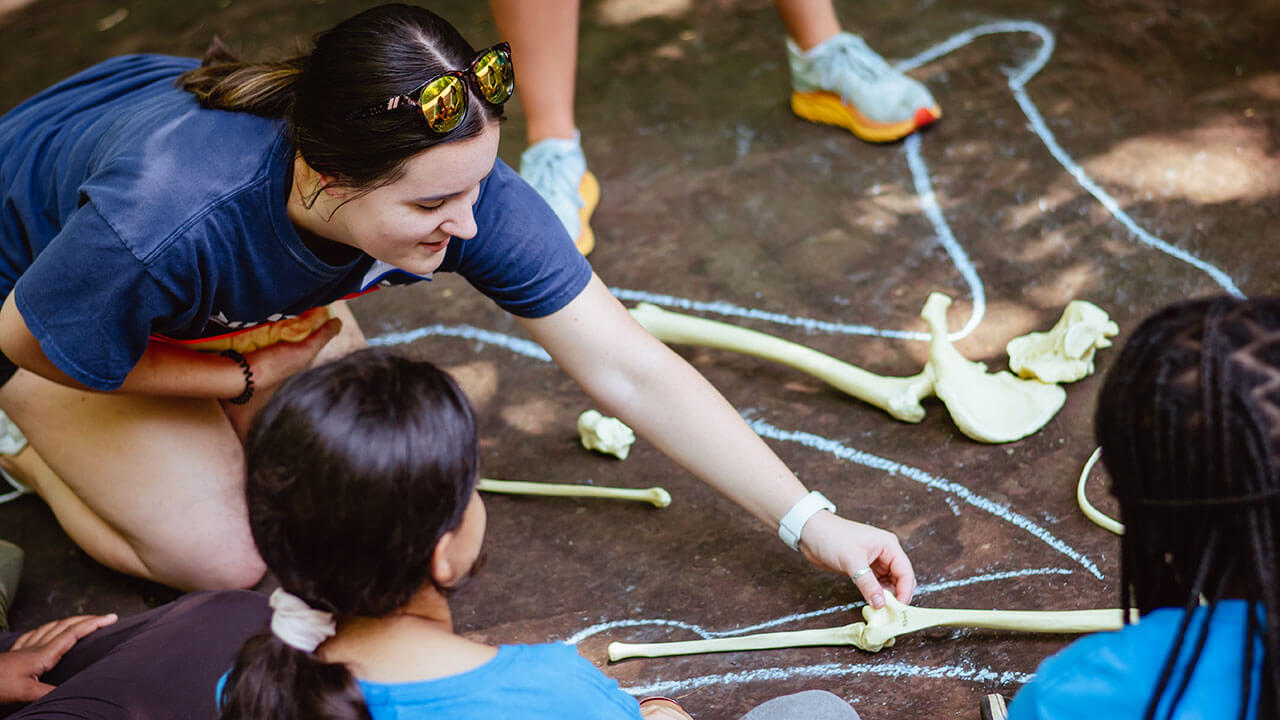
(239, 572)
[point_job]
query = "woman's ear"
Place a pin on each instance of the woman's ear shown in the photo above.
(312, 183)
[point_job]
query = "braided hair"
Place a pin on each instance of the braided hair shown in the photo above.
(1189, 424)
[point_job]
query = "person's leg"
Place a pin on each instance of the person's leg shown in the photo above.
(544, 47)
(148, 486)
(164, 663)
(806, 705)
(838, 80)
(809, 22)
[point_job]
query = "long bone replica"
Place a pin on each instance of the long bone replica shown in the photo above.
(898, 396)
(655, 496)
(992, 408)
(880, 628)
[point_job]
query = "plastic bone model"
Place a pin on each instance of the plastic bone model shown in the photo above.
(879, 629)
(655, 496)
(605, 434)
(898, 396)
(989, 407)
(1065, 353)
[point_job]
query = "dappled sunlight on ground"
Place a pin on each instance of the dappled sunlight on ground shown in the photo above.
(624, 12)
(535, 417)
(1225, 159)
(479, 380)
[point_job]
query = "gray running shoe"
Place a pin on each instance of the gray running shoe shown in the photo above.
(557, 169)
(843, 82)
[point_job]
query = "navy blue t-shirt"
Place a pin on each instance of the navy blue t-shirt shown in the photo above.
(128, 211)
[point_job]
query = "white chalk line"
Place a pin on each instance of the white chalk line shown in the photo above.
(1018, 78)
(1017, 86)
(866, 459)
(929, 203)
(832, 670)
(519, 346)
(529, 349)
(705, 634)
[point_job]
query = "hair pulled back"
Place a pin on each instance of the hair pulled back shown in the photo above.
(1189, 424)
(361, 62)
(355, 470)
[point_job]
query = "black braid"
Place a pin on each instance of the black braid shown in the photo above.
(1189, 423)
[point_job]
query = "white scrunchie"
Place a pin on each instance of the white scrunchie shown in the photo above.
(297, 624)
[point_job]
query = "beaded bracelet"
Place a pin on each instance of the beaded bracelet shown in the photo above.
(243, 397)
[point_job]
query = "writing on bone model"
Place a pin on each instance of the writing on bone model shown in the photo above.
(605, 434)
(655, 496)
(988, 407)
(879, 629)
(1065, 353)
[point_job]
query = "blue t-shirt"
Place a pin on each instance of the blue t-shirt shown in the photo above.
(1113, 675)
(128, 211)
(522, 682)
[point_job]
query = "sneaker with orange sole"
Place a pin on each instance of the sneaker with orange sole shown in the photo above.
(845, 83)
(557, 170)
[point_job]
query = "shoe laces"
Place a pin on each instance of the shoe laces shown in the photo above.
(849, 60)
(555, 170)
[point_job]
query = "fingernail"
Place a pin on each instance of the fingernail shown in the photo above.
(877, 601)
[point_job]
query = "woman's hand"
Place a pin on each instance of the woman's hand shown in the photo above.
(276, 363)
(843, 546)
(38, 651)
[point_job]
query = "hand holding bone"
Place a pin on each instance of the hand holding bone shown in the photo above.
(879, 629)
(842, 546)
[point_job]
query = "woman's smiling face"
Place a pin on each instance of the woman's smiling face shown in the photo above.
(408, 223)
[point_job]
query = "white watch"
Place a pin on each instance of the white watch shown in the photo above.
(792, 524)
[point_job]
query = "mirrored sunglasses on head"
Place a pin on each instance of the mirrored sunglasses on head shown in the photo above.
(442, 100)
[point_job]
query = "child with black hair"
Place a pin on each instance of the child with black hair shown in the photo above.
(362, 500)
(1189, 424)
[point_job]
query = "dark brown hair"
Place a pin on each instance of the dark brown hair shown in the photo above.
(359, 63)
(355, 471)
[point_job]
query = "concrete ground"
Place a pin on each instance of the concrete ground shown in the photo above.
(1123, 152)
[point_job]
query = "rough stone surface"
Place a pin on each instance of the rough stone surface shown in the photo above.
(712, 191)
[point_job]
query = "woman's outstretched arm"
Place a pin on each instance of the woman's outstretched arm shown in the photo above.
(637, 378)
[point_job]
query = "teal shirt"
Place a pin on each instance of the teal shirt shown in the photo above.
(522, 682)
(1113, 675)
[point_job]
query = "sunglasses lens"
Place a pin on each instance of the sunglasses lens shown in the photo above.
(443, 102)
(496, 76)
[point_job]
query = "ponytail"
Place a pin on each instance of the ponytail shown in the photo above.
(378, 54)
(225, 82)
(273, 681)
